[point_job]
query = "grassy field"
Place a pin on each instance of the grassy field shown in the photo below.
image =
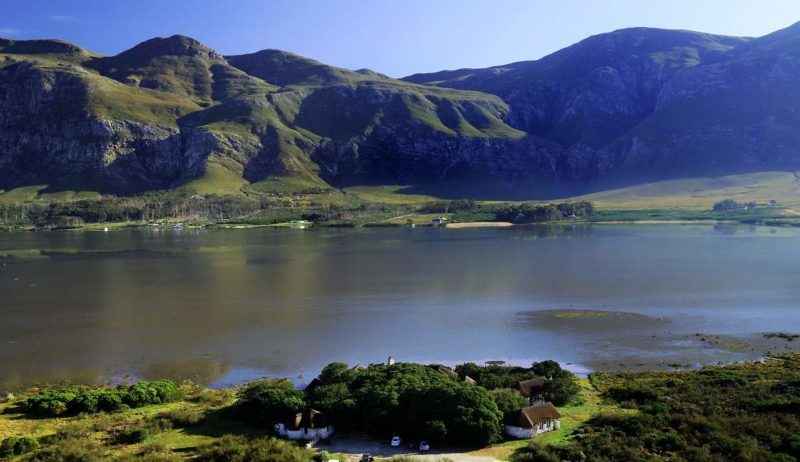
(784, 187)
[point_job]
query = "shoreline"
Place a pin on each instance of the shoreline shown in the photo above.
(118, 226)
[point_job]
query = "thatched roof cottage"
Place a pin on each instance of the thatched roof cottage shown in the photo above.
(531, 421)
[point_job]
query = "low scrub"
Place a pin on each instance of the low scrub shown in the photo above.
(144, 430)
(18, 445)
(241, 449)
(76, 400)
(184, 417)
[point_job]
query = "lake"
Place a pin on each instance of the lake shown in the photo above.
(226, 306)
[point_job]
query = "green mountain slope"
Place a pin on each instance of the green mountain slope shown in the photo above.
(616, 109)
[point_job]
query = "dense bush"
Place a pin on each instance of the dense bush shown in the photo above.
(267, 401)
(560, 390)
(412, 400)
(15, 446)
(143, 430)
(508, 399)
(240, 449)
(743, 412)
(527, 213)
(72, 450)
(184, 417)
(75, 400)
(561, 387)
(730, 204)
(492, 377)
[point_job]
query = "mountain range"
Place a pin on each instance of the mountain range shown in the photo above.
(626, 107)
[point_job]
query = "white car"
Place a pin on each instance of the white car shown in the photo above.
(395, 441)
(423, 446)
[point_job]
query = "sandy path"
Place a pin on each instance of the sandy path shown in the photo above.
(353, 448)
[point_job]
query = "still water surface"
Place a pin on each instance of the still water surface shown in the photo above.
(224, 306)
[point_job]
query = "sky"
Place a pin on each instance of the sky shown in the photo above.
(395, 37)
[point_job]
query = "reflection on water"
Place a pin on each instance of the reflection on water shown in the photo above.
(225, 305)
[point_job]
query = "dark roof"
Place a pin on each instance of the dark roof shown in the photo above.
(312, 385)
(532, 386)
(531, 416)
(307, 418)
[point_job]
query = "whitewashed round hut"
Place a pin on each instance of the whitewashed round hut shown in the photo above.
(308, 424)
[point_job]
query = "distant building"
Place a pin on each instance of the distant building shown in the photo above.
(312, 385)
(531, 421)
(533, 389)
(444, 370)
(390, 361)
(358, 368)
(308, 424)
(439, 221)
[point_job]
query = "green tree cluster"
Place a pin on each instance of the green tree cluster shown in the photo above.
(527, 213)
(75, 400)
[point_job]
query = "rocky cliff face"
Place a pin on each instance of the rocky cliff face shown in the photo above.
(654, 104)
(626, 106)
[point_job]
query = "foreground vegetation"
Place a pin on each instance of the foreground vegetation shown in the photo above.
(747, 412)
(164, 421)
(346, 208)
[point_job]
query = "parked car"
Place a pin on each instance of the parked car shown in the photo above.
(395, 441)
(423, 446)
(367, 458)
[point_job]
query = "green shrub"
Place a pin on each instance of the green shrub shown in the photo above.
(72, 450)
(266, 401)
(143, 431)
(73, 430)
(184, 417)
(634, 392)
(535, 452)
(15, 446)
(76, 400)
(508, 399)
(132, 435)
(240, 449)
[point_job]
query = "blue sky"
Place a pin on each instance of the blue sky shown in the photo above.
(396, 37)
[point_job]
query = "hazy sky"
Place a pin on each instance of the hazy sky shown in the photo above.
(396, 37)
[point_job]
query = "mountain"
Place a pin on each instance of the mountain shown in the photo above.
(655, 104)
(626, 107)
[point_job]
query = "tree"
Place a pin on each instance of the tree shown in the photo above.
(336, 372)
(337, 401)
(727, 204)
(270, 400)
(562, 386)
(508, 399)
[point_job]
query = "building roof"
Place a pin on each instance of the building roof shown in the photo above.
(307, 418)
(312, 385)
(532, 386)
(444, 370)
(531, 416)
(469, 380)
